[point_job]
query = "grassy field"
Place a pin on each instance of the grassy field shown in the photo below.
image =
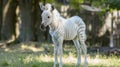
(28, 55)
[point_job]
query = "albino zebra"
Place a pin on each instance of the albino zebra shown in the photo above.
(64, 29)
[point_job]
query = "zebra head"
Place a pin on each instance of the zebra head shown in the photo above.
(47, 16)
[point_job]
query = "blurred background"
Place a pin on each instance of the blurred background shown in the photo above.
(20, 20)
(23, 44)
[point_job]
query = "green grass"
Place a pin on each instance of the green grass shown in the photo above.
(22, 55)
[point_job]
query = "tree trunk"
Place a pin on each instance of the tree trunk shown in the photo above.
(0, 17)
(39, 35)
(9, 19)
(27, 24)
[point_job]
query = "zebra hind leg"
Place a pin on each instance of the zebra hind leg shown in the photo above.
(77, 45)
(84, 48)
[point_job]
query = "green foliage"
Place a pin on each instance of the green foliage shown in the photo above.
(114, 4)
(5, 63)
(107, 4)
(80, 1)
(76, 3)
(48, 1)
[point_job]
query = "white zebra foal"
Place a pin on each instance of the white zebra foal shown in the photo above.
(64, 29)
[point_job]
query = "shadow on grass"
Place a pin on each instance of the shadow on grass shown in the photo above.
(46, 64)
(34, 64)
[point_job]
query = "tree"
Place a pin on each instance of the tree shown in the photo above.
(8, 19)
(27, 23)
(0, 17)
(39, 35)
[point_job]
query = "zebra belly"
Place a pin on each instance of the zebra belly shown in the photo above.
(70, 32)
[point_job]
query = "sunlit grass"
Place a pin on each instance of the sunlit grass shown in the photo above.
(30, 56)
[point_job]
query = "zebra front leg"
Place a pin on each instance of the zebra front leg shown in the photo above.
(60, 50)
(77, 45)
(56, 46)
(55, 55)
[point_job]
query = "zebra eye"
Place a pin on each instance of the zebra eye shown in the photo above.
(48, 16)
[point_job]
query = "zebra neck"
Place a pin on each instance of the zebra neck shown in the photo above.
(54, 25)
(57, 20)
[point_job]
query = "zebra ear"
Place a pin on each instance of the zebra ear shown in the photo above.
(52, 6)
(42, 7)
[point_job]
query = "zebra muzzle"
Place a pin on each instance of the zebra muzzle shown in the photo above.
(42, 27)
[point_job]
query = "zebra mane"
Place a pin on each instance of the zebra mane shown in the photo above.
(49, 7)
(56, 13)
